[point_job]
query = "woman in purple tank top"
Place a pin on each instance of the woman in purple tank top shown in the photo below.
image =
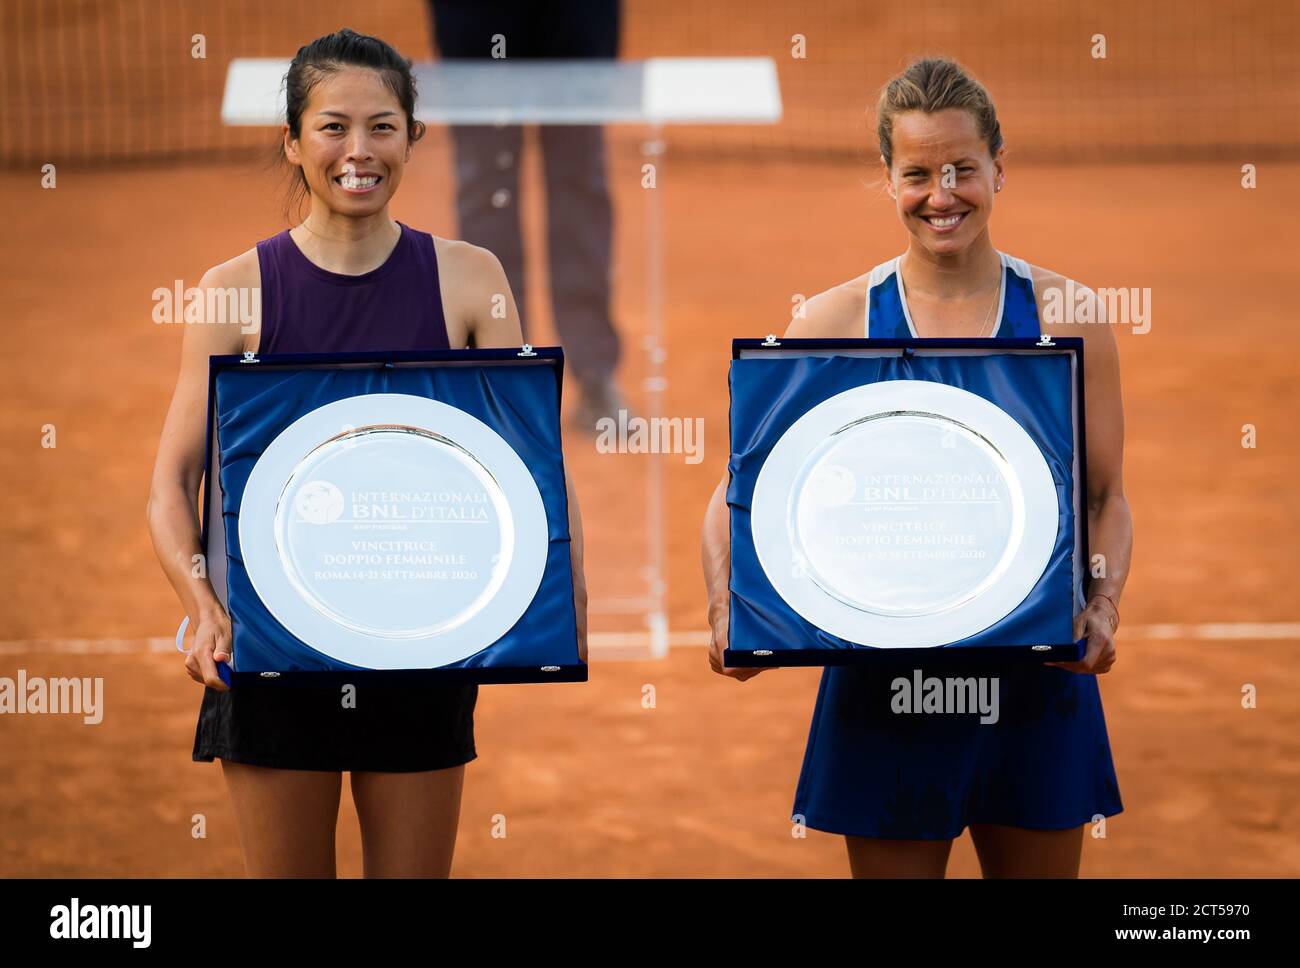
(347, 278)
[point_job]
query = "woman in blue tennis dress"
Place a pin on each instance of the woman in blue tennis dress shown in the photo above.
(900, 788)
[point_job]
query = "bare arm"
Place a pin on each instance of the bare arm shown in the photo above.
(1110, 523)
(491, 317)
(484, 309)
(173, 509)
(576, 552)
(834, 313)
(715, 555)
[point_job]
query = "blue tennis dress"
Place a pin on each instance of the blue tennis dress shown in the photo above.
(871, 772)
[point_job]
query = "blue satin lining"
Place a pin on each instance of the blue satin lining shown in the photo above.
(768, 395)
(521, 403)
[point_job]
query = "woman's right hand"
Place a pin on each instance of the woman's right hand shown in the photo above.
(715, 555)
(719, 626)
(210, 645)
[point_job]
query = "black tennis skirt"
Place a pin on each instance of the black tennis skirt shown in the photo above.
(392, 729)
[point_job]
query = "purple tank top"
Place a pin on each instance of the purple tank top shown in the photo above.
(307, 309)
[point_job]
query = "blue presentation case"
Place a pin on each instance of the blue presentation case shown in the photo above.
(1039, 383)
(516, 392)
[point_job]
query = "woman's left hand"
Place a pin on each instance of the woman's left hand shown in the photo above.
(1097, 623)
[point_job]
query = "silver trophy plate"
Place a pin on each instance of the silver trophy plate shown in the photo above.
(905, 514)
(390, 531)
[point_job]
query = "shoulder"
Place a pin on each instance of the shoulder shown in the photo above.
(215, 310)
(1063, 301)
(471, 279)
(236, 278)
(242, 270)
(465, 261)
(1067, 307)
(837, 313)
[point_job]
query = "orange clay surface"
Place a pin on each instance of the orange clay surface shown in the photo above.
(591, 782)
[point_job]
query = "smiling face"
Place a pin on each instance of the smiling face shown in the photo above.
(353, 142)
(943, 179)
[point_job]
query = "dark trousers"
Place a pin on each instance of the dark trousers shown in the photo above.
(578, 214)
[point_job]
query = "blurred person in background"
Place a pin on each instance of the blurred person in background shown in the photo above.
(578, 213)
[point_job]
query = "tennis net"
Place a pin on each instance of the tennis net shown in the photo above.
(114, 81)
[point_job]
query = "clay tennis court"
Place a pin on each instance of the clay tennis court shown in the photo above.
(589, 780)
